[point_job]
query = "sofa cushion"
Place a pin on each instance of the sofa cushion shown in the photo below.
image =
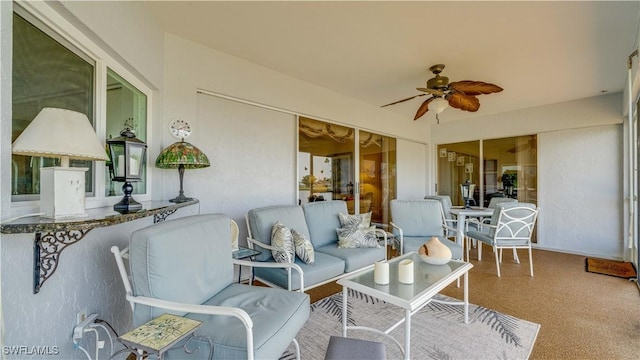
(358, 220)
(322, 220)
(355, 258)
(261, 221)
(325, 267)
(303, 248)
(357, 237)
(272, 311)
(190, 270)
(282, 242)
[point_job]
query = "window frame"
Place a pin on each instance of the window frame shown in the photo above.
(69, 35)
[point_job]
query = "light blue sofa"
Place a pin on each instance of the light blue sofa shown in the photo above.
(184, 266)
(318, 221)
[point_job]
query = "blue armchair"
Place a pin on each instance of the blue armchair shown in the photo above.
(416, 221)
(184, 267)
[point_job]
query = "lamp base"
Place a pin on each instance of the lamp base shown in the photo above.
(180, 199)
(128, 204)
(62, 193)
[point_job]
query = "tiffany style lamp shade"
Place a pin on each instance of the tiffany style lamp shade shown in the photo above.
(181, 155)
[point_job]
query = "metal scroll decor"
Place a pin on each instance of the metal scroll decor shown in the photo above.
(46, 251)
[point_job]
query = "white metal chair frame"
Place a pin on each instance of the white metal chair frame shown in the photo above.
(193, 308)
(516, 228)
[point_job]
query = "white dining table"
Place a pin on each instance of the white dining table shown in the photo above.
(461, 216)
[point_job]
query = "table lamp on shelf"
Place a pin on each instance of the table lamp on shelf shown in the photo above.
(128, 154)
(182, 155)
(63, 134)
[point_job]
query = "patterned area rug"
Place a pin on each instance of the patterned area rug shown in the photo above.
(438, 330)
(611, 267)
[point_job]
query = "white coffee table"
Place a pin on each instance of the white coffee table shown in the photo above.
(428, 281)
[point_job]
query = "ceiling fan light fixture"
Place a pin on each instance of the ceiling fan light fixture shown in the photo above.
(438, 105)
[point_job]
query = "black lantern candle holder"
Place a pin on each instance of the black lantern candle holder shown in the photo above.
(128, 155)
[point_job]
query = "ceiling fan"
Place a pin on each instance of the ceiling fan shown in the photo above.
(458, 94)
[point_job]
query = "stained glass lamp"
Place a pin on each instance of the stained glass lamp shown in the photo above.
(182, 155)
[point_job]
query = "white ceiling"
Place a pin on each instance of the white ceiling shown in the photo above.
(378, 52)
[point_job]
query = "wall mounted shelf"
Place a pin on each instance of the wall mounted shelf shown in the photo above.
(53, 236)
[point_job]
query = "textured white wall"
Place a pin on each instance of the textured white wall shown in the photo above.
(581, 191)
(411, 170)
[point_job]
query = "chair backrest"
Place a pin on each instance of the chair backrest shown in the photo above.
(418, 217)
(260, 221)
(445, 201)
(322, 220)
(497, 200)
(514, 223)
(185, 260)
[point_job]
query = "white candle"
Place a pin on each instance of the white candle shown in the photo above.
(133, 166)
(381, 272)
(405, 271)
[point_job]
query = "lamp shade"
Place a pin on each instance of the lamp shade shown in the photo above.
(60, 133)
(182, 153)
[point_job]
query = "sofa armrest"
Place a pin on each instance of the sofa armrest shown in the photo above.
(202, 309)
(270, 264)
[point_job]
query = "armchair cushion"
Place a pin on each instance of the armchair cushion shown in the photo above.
(181, 271)
(418, 217)
(288, 313)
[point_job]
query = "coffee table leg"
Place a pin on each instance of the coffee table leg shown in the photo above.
(344, 312)
(407, 334)
(466, 297)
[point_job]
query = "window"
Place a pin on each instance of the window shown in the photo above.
(45, 73)
(51, 70)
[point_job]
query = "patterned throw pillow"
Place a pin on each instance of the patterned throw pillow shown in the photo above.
(362, 221)
(353, 237)
(282, 241)
(303, 247)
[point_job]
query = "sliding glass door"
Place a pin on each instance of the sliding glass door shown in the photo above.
(509, 168)
(331, 167)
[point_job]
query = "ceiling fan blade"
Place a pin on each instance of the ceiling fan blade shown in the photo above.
(464, 102)
(403, 100)
(423, 108)
(431, 91)
(474, 88)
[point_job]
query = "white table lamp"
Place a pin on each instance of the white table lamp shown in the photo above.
(64, 134)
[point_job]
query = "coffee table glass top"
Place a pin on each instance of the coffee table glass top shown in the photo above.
(428, 280)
